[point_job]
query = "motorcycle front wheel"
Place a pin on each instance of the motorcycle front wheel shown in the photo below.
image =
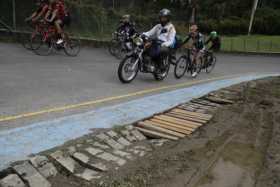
(128, 69)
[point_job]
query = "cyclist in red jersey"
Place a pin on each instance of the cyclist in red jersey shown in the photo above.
(59, 16)
(40, 12)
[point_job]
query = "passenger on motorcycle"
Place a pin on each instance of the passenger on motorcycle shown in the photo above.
(59, 16)
(215, 40)
(197, 45)
(40, 12)
(127, 30)
(126, 26)
(164, 33)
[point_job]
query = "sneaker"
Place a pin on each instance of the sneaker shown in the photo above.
(194, 74)
(60, 41)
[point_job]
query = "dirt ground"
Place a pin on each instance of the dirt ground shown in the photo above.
(240, 147)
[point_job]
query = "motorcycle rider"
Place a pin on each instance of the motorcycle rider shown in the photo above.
(126, 26)
(164, 32)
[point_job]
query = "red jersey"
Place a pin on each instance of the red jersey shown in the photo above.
(60, 7)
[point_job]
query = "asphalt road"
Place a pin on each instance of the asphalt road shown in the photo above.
(31, 83)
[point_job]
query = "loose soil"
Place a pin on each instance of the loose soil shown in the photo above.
(239, 147)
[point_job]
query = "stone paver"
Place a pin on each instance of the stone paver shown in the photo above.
(31, 175)
(12, 180)
(44, 166)
(158, 142)
(109, 157)
(138, 135)
(81, 157)
(67, 162)
(112, 134)
(99, 145)
(123, 154)
(123, 141)
(85, 160)
(118, 138)
(88, 175)
(114, 144)
(129, 136)
(93, 151)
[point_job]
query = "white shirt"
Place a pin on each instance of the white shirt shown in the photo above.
(167, 37)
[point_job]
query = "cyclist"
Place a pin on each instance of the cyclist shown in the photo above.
(215, 41)
(126, 26)
(198, 44)
(164, 32)
(40, 12)
(59, 16)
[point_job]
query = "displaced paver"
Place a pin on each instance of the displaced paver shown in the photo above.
(12, 180)
(138, 135)
(31, 175)
(123, 154)
(65, 161)
(128, 135)
(88, 175)
(85, 160)
(99, 145)
(112, 143)
(44, 166)
(118, 138)
(93, 151)
(109, 157)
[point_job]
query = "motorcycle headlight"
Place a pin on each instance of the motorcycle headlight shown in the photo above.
(138, 41)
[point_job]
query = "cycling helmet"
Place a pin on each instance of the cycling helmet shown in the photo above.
(213, 34)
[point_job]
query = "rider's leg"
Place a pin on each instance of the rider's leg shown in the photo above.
(60, 32)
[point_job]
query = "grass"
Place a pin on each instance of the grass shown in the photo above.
(254, 43)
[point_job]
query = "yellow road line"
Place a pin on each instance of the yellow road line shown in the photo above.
(89, 103)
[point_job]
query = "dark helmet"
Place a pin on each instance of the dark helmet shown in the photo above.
(126, 18)
(165, 13)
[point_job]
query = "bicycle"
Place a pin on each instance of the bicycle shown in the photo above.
(44, 42)
(209, 61)
(120, 45)
(186, 64)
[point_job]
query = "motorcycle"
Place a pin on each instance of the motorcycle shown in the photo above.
(120, 45)
(140, 60)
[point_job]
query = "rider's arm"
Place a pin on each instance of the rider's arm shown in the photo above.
(44, 9)
(170, 38)
(209, 39)
(31, 17)
(54, 14)
(186, 39)
(152, 32)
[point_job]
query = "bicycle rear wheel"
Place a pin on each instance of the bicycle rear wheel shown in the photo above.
(72, 46)
(41, 47)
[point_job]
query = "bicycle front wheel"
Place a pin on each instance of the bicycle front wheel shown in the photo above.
(181, 67)
(72, 46)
